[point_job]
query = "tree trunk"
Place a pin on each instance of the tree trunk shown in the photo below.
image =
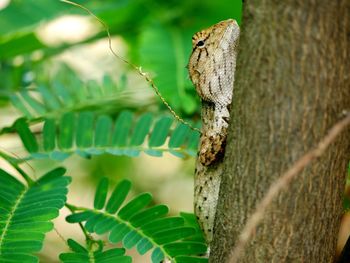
(292, 84)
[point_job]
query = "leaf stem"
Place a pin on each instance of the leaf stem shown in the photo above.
(72, 209)
(13, 162)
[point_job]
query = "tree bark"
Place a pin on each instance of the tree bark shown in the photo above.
(292, 84)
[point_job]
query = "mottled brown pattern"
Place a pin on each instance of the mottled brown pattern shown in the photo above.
(211, 68)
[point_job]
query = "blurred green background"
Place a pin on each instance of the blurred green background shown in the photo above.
(51, 47)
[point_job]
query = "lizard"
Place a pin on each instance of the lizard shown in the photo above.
(211, 69)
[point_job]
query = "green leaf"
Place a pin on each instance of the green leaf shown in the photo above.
(172, 235)
(189, 103)
(163, 223)
(67, 127)
(92, 222)
(191, 220)
(155, 153)
(74, 257)
(79, 217)
(141, 129)
(18, 103)
(111, 253)
(101, 194)
(118, 196)
(135, 224)
(87, 135)
(58, 156)
(75, 246)
(105, 225)
(122, 128)
(149, 215)
(160, 132)
(134, 206)
(19, 258)
(49, 98)
(108, 85)
(36, 106)
(182, 248)
(94, 89)
(83, 255)
(131, 239)
(49, 133)
(193, 140)
(112, 256)
(118, 232)
(66, 94)
(84, 130)
(103, 131)
(40, 226)
(157, 255)
(26, 136)
(26, 212)
(165, 51)
(143, 246)
(63, 93)
(13, 47)
(187, 259)
(179, 136)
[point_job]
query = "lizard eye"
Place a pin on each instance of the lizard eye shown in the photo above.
(200, 43)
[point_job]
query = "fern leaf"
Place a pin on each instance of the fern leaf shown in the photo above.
(163, 50)
(65, 97)
(149, 215)
(157, 255)
(49, 128)
(162, 223)
(50, 100)
(54, 100)
(143, 246)
(26, 213)
(172, 235)
(18, 103)
(88, 135)
(103, 131)
(118, 196)
(137, 225)
(160, 132)
(66, 134)
(134, 206)
(141, 129)
(101, 194)
(79, 217)
(186, 259)
(104, 225)
(191, 220)
(178, 138)
(33, 103)
(81, 254)
(182, 248)
(122, 128)
(26, 136)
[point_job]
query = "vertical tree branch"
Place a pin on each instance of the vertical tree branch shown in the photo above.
(282, 183)
(292, 83)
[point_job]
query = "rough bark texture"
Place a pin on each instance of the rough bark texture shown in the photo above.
(292, 84)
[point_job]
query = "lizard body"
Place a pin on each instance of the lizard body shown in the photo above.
(211, 69)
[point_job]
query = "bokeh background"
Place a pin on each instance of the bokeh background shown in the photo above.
(51, 43)
(48, 43)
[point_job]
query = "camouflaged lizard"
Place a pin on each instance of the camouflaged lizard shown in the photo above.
(211, 69)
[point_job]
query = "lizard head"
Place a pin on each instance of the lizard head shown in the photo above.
(210, 64)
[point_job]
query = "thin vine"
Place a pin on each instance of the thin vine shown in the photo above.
(137, 68)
